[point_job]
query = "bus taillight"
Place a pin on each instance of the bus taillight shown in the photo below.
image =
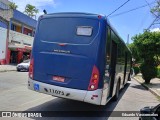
(93, 85)
(31, 68)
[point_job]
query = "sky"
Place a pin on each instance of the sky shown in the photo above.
(131, 23)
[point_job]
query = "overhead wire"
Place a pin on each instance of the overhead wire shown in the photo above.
(143, 20)
(149, 7)
(148, 4)
(132, 9)
(156, 19)
(153, 22)
(118, 8)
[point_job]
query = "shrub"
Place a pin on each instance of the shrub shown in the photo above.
(158, 71)
(136, 70)
(148, 72)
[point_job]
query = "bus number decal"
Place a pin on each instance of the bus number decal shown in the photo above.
(56, 91)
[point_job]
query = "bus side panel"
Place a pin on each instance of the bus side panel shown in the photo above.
(100, 62)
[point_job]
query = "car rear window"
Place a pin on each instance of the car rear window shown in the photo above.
(68, 30)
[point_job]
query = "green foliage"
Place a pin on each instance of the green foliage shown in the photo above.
(158, 72)
(13, 6)
(31, 10)
(134, 50)
(147, 46)
(148, 72)
(156, 9)
(136, 70)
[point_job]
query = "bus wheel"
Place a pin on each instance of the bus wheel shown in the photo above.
(115, 98)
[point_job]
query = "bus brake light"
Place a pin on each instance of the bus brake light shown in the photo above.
(95, 76)
(93, 85)
(31, 68)
(99, 16)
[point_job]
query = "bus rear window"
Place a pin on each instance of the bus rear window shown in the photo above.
(68, 30)
(84, 30)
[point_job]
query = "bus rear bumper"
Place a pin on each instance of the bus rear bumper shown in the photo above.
(93, 97)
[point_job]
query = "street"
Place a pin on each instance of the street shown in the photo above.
(14, 96)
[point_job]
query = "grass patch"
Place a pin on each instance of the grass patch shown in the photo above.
(158, 97)
(158, 71)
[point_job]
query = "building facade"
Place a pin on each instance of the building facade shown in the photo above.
(18, 32)
(21, 33)
(5, 15)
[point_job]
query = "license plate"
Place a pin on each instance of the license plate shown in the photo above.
(58, 78)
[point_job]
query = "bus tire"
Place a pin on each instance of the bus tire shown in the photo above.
(115, 98)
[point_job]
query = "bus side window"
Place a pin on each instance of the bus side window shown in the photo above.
(108, 57)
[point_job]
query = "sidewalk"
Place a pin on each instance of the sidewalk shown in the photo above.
(153, 87)
(5, 68)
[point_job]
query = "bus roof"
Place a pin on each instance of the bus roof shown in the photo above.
(74, 14)
(85, 15)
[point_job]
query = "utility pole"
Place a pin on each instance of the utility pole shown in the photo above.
(127, 40)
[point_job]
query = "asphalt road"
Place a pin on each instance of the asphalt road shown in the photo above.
(14, 96)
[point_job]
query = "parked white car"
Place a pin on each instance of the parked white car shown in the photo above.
(23, 66)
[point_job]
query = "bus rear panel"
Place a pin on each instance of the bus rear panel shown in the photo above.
(64, 58)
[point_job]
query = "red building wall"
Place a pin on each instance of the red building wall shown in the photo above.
(20, 56)
(26, 31)
(8, 56)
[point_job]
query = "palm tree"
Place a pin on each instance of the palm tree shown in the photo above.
(31, 10)
(13, 6)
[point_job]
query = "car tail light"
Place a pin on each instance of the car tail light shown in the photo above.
(31, 67)
(93, 85)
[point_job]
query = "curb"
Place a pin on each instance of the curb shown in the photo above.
(146, 87)
(7, 70)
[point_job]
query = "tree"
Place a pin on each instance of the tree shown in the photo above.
(135, 53)
(13, 6)
(147, 47)
(148, 71)
(31, 10)
(156, 9)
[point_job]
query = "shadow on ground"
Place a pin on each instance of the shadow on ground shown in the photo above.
(154, 85)
(139, 87)
(76, 107)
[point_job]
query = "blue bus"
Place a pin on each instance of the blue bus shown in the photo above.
(78, 56)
